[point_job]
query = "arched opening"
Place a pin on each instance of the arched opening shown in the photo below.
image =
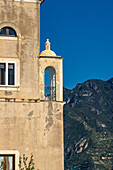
(7, 31)
(50, 84)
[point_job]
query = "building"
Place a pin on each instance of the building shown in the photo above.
(31, 90)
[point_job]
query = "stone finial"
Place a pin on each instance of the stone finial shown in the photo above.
(47, 45)
(47, 51)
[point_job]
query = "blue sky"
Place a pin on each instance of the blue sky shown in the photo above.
(81, 31)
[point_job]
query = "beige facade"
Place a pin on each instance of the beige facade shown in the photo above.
(28, 122)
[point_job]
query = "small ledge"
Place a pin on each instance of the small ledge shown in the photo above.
(20, 100)
(31, 1)
(10, 87)
(57, 57)
(54, 101)
(28, 100)
(8, 38)
(62, 103)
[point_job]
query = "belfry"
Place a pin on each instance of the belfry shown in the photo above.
(31, 90)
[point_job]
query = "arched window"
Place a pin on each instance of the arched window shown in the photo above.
(7, 31)
(50, 84)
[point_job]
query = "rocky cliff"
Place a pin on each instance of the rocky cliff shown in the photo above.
(88, 125)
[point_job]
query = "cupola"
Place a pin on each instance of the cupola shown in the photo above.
(47, 51)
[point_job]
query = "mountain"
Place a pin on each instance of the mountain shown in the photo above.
(88, 126)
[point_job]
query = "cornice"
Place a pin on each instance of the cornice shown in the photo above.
(31, 1)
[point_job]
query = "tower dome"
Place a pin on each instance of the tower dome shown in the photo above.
(47, 51)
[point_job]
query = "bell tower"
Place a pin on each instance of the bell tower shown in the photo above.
(31, 90)
(51, 100)
(51, 80)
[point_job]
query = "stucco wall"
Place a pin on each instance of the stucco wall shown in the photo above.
(27, 124)
(34, 128)
(25, 19)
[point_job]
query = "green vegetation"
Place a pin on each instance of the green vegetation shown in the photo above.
(88, 125)
(24, 164)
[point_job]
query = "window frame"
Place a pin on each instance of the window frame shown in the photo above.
(6, 77)
(8, 28)
(16, 63)
(13, 157)
(13, 153)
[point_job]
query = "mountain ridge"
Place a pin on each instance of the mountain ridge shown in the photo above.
(88, 125)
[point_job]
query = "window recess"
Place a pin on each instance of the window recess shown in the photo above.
(50, 84)
(7, 74)
(8, 31)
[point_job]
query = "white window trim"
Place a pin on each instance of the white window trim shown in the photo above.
(16, 85)
(12, 152)
(7, 73)
(8, 38)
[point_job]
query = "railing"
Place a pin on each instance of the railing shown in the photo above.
(50, 93)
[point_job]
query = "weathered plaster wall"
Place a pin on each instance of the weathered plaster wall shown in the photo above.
(25, 19)
(27, 124)
(36, 128)
(6, 46)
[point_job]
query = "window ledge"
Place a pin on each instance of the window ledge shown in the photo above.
(8, 38)
(10, 87)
